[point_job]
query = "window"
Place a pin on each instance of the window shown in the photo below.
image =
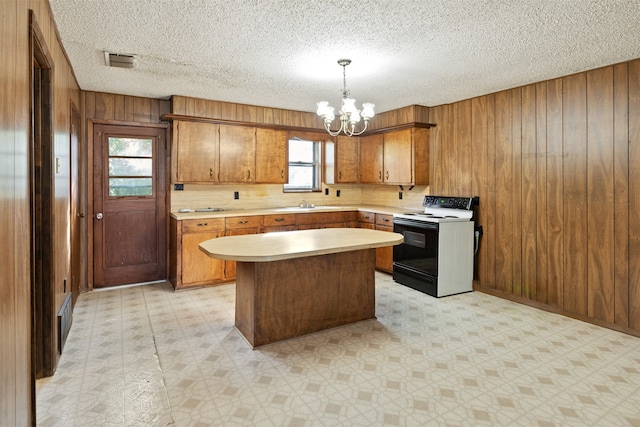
(304, 166)
(130, 167)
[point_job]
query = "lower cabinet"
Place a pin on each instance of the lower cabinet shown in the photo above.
(239, 226)
(189, 266)
(382, 222)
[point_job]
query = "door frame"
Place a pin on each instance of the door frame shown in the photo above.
(91, 123)
(44, 355)
(77, 197)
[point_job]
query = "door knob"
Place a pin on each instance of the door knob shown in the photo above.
(99, 215)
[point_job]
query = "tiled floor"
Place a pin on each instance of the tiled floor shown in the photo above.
(146, 356)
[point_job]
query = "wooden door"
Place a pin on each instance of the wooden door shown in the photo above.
(195, 148)
(371, 151)
(347, 159)
(271, 156)
(397, 157)
(129, 219)
(237, 153)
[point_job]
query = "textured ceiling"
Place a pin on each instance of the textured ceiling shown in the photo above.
(283, 53)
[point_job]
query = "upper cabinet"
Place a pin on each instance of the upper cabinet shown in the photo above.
(272, 158)
(342, 160)
(195, 152)
(209, 152)
(398, 157)
(214, 152)
(371, 163)
(237, 154)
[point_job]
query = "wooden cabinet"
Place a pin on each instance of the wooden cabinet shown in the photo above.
(281, 222)
(189, 266)
(308, 221)
(237, 154)
(239, 226)
(384, 255)
(382, 222)
(342, 160)
(371, 163)
(272, 160)
(195, 152)
(208, 153)
(397, 157)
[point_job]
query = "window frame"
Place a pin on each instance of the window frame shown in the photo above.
(316, 166)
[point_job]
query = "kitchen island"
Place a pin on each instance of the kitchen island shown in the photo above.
(293, 283)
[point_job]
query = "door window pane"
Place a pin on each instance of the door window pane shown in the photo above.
(130, 167)
(130, 147)
(119, 187)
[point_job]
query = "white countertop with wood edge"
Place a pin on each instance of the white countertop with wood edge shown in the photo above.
(388, 210)
(297, 244)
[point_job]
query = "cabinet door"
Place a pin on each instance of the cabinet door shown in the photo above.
(347, 162)
(272, 163)
(230, 266)
(371, 159)
(197, 267)
(384, 255)
(237, 154)
(398, 157)
(195, 151)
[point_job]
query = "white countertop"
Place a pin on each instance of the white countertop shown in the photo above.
(297, 244)
(387, 210)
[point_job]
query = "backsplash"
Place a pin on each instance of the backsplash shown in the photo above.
(256, 196)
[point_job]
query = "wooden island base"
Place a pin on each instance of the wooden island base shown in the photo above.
(288, 298)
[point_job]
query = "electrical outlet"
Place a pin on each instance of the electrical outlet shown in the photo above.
(326, 191)
(337, 193)
(399, 195)
(236, 195)
(178, 187)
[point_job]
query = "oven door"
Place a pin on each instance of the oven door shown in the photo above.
(419, 251)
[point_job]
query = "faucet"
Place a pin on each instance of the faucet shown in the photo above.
(304, 204)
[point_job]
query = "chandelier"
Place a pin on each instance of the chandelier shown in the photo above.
(350, 116)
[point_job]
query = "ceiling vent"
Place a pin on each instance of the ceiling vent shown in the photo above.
(119, 60)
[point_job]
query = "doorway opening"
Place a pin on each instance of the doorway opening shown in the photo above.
(43, 331)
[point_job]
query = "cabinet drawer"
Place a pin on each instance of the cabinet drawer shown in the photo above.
(366, 217)
(384, 220)
(326, 217)
(202, 225)
(252, 221)
(278, 220)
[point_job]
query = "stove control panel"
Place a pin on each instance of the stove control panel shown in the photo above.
(465, 203)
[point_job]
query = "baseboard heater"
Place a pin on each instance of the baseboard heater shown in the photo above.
(65, 318)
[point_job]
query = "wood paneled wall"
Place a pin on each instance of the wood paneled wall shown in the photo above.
(557, 167)
(107, 107)
(16, 383)
(196, 107)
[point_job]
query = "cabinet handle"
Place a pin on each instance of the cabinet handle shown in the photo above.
(380, 175)
(210, 172)
(243, 222)
(340, 175)
(282, 173)
(385, 219)
(279, 219)
(204, 224)
(249, 174)
(387, 174)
